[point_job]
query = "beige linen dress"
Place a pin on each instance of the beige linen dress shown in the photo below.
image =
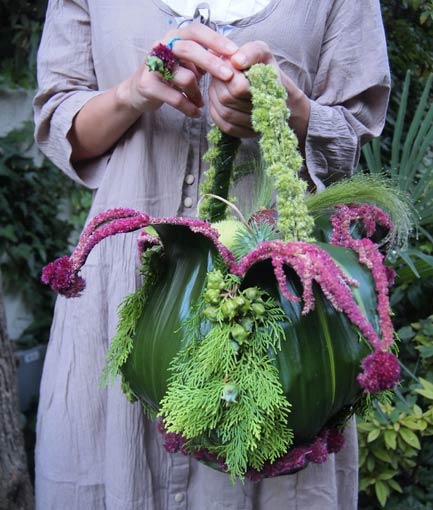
(96, 451)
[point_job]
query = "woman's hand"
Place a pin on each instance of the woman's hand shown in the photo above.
(230, 101)
(146, 90)
(107, 116)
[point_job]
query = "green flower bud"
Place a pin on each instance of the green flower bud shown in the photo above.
(252, 293)
(212, 296)
(239, 333)
(234, 345)
(210, 312)
(229, 309)
(240, 301)
(230, 392)
(215, 280)
(258, 309)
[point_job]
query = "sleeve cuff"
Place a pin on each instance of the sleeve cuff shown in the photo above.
(52, 138)
(332, 148)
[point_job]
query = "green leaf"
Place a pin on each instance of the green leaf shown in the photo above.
(406, 333)
(427, 390)
(410, 438)
(382, 492)
(395, 485)
(390, 437)
(426, 351)
(373, 435)
(381, 454)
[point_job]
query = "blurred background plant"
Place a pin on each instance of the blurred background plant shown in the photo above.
(396, 450)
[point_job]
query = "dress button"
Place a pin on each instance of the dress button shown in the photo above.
(189, 179)
(187, 202)
(178, 497)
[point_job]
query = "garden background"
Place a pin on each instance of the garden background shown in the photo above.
(41, 213)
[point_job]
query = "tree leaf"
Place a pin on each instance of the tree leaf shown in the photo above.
(410, 438)
(382, 492)
(373, 435)
(390, 437)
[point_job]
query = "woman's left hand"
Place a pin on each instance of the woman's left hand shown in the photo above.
(230, 101)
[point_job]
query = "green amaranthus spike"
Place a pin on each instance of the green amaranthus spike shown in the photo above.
(220, 156)
(280, 151)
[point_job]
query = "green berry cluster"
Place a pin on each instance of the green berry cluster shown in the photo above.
(242, 310)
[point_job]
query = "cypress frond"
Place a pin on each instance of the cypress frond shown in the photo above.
(224, 393)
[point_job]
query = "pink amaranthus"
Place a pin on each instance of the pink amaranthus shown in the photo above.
(381, 368)
(310, 262)
(329, 440)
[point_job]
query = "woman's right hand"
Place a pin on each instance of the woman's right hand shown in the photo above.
(104, 119)
(196, 52)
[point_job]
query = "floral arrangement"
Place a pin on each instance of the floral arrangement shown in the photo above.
(253, 342)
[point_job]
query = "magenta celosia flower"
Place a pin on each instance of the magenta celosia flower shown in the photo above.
(167, 56)
(319, 451)
(62, 278)
(335, 440)
(381, 372)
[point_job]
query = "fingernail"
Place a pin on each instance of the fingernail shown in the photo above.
(226, 72)
(231, 47)
(240, 59)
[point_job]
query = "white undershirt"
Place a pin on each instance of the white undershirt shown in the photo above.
(225, 11)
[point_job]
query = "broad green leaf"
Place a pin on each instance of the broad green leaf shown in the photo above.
(373, 435)
(395, 485)
(390, 437)
(382, 492)
(387, 475)
(410, 423)
(410, 438)
(406, 333)
(427, 390)
(381, 454)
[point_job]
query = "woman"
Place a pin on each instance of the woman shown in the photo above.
(117, 127)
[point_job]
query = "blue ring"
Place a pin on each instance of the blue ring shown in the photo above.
(171, 41)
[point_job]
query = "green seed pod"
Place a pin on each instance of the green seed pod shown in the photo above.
(230, 393)
(210, 312)
(215, 280)
(229, 309)
(212, 296)
(258, 309)
(239, 333)
(252, 293)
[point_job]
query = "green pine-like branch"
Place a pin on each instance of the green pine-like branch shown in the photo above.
(224, 393)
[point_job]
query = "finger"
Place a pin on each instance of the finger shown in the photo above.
(234, 95)
(206, 37)
(229, 128)
(185, 81)
(251, 53)
(192, 67)
(191, 51)
(161, 91)
(234, 117)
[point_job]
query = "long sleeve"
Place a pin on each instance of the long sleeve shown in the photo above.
(66, 81)
(350, 90)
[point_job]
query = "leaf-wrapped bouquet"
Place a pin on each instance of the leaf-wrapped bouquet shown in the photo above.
(252, 342)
